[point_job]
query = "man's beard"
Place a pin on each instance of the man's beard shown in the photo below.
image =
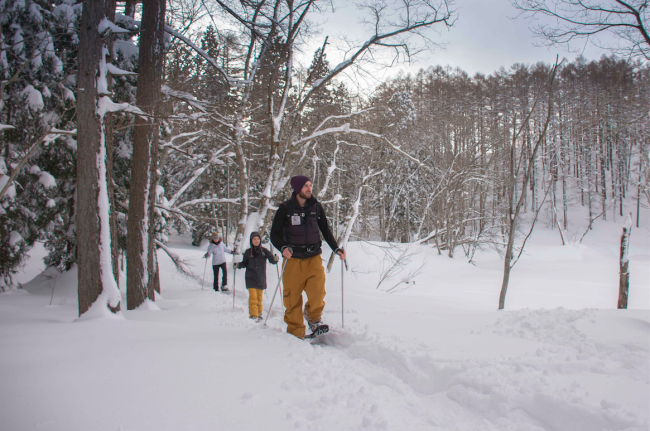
(304, 195)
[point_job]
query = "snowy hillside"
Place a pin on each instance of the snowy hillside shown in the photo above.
(434, 354)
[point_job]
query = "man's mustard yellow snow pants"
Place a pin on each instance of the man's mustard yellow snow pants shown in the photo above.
(300, 275)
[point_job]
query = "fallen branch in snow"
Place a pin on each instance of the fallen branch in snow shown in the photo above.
(399, 263)
(408, 278)
(180, 264)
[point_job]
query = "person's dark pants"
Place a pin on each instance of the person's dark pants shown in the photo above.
(224, 280)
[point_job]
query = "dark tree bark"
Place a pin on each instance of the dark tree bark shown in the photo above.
(111, 4)
(95, 276)
(624, 279)
(129, 8)
(139, 240)
(156, 277)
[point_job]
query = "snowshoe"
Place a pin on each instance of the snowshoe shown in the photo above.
(317, 330)
(225, 289)
(314, 325)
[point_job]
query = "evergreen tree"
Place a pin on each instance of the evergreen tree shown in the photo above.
(38, 47)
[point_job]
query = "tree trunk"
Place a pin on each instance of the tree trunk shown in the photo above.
(516, 202)
(624, 279)
(129, 8)
(156, 275)
(507, 264)
(140, 264)
(95, 276)
(111, 4)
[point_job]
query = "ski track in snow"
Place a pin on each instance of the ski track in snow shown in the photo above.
(351, 379)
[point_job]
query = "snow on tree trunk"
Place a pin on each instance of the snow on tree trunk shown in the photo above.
(109, 163)
(97, 287)
(139, 241)
(243, 204)
(624, 279)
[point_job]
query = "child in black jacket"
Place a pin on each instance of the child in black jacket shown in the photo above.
(254, 261)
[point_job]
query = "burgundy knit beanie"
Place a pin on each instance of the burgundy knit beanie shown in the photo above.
(298, 182)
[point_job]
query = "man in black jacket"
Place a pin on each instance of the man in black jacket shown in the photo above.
(296, 232)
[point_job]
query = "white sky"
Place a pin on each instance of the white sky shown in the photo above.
(484, 38)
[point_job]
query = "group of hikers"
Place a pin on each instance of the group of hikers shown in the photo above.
(296, 233)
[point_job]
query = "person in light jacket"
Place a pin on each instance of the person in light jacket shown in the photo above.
(218, 251)
(254, 261)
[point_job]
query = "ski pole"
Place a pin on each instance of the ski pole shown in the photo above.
(204, 269)
(342, 296)
(284, 265)
(277, 269)
(234, 281)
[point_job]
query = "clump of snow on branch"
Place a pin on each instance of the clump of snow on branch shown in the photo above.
(34, 97)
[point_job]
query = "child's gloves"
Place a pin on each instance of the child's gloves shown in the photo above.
(205, 256)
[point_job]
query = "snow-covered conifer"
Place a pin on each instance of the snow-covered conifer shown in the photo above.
(37, 62)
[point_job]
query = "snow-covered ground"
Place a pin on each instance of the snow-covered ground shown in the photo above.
(433, 354)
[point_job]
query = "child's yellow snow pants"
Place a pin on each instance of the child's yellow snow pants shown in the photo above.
(255, 297)
(300, 275)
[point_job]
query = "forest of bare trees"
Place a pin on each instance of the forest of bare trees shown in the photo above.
(226, 112)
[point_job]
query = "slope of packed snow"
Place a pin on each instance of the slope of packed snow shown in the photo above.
(433, 354)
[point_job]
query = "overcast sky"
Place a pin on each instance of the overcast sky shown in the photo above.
(484, 38)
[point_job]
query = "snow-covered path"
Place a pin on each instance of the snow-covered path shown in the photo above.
(434, 357)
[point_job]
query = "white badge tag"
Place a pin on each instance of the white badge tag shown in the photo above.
(295, 220)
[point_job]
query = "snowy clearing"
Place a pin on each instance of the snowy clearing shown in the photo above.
(433, 355)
